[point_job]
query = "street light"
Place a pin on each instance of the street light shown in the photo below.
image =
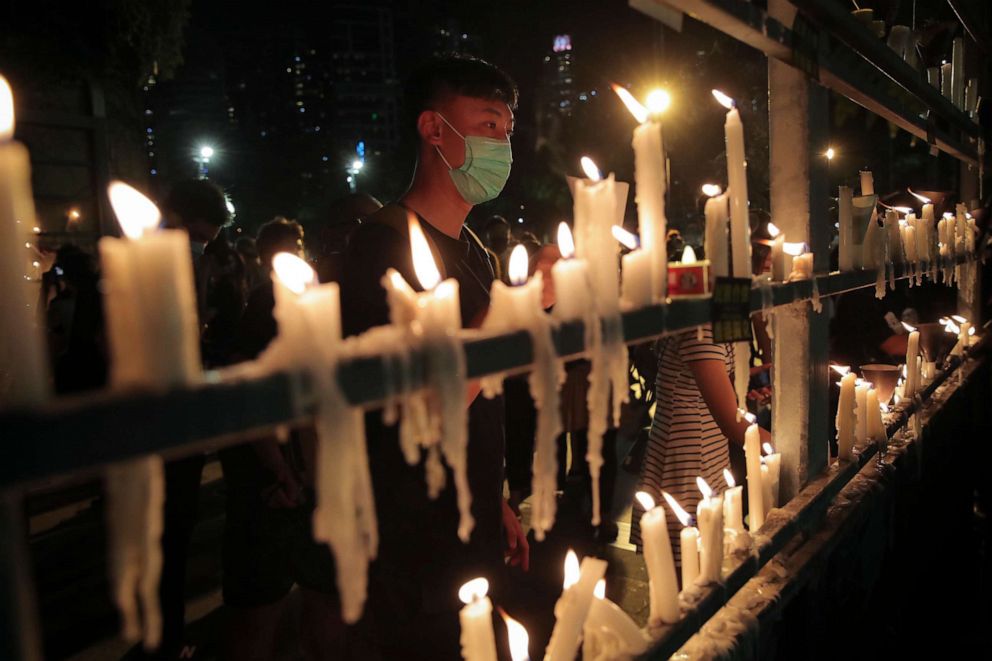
(353, 169)
(204, 154)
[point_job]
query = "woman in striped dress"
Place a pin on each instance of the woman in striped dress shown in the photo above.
(695, 415)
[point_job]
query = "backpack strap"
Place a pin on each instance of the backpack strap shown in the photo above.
(396, 216)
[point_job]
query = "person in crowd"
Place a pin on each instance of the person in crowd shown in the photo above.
(462, 111)
(497, 235)
(268, 541)
(343, 218)
(200, 207)
(255, 273)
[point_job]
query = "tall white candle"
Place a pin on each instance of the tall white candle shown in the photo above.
(22, 353)
(663, 587)
(717, 239)
(846, 418)
(740, 228)
(573, 606)
(709, 513)
(845, 223)
(755, 494)
(733, 511)
(861, 400)
(867, 183)
(688, 543)
(912, 372)
(476, 620)
(651, 181)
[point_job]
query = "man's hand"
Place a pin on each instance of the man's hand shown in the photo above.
(517, 548)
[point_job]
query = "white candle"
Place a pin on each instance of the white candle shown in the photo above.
(733, 510)
(755, 495)
(912, 372)
(663, 587)
(637, 289)
(688, 543)
(22, 356)
(518, 307)
(437, 318)
(781, 260)
(571, 278)
(597, 199)
(802, 263)
(709, 513)
(573, 606)
(609, 632)
(861, 399)
(957, 72)
(845, 223)
(651, 181)
(740, 228)
(946, 78)
(153, 336)
(846, 418)
(476, 620)
(717, 239)
(773, 461)
(867, 183)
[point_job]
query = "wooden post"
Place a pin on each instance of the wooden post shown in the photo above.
(797, 116)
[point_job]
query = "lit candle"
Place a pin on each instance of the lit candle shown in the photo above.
(308, 317)
(571, 278)
(476, 619)
(651, 180)
(518, 638)
(845, 224)
(663, 587)
(709, 513)
(740, 228)
(690, 277)
(637, 289)
(24, 359)
(573, 606)
(432, 319)
(781, 261)
(733, 510)
(773, 461)
(861, 399)
(801, 267)
(867, 183)
(755, 494)
(597, 200)
(610, 633)
(717, 240)
(518, 307)
(153, 336)
(912, 371)
(876, 428)
(846, 421)
(688, 543)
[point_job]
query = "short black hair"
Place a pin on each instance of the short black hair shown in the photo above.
(458, 74)
(199, 199)
(278, 235)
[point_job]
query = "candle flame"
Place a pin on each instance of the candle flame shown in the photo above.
(658, 101)
(135, 212)
(423, 260)
(794, 249)
(830, 153)
(884, 407)
(773, 230)
(518, 265)
(767, 447)
(952, 327)
(711, 190)
(600, 590)
(729, 477)
(565, 243)
(639, 112)
(294, 273)
(688, 255)
(971, 331)
(646, 501)
(910, 328)
(519, 640)
(572, 570)
(896, 398)
(474, 590)
(723, 99)
(628, 239)
(948, 215)
(590, 169)
(921, 198)
(747, 415)
(903, 372)
(958, 318)
(6, 111)
(680, 513)
(704, 488)
(944, 321)
(902, 210)
(841, 369)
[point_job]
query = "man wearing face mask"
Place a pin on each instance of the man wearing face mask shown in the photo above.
(462, 111)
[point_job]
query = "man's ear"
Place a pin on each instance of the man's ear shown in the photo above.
(429, 127)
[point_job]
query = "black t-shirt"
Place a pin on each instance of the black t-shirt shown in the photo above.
(420, 555)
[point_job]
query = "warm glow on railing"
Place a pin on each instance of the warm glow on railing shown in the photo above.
(423, 260)
(135, 212)
(294, 273)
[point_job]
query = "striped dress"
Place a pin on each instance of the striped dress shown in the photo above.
(685, 441)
